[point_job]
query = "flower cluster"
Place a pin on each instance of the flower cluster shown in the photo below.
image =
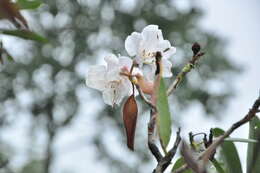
(113, 79)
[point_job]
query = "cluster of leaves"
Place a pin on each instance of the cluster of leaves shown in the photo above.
(227, 159)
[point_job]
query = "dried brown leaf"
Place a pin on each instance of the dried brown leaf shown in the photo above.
(130, 111)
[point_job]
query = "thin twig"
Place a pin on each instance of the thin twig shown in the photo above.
(151, 139)
(166, 160)
(210, 150)
(190, 161)
(152, 123)
(252, 112)
(186, 69)
(151, 126)
(144, 98)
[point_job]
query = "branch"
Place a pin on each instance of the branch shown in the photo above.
(166, 160)
(151, 126)
(151, 140)
(210, 150)
(152, 122)
(189, 159)
(144, 98)
(252, 112)
(186, 69)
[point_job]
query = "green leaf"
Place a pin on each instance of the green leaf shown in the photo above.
(241, 140)
(253, 150)
(218, 166)
(229, 153)
(28, 4)
(164, 116)
(10, 58)
(25, 34)
(179, 163)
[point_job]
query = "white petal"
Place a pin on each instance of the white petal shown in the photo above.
(150, 33)
(149, 45)
(113, 74)
(164, 45)
(126, 88)
(125, 61)
(112, 61)
(167, 66)
(114, 96)
(132, 43)
(108, 96)
(139, 61)
(96, 77)
(137, 71)
(151, 36)
(169, 52)
(149, 71)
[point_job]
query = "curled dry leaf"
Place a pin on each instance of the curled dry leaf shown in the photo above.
(10, 11)
(130, 111)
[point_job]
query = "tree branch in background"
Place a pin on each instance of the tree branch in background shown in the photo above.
(166, 160)
(187, 68)
(210, 150)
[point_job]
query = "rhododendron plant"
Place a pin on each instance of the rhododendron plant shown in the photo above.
(124, 76)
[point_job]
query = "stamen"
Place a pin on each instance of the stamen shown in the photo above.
(166, 49)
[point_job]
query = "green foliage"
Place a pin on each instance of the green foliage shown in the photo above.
(25, 34)
(253, 149)
(35, 166)
(164, 115)
(179, 163)
(229, 154)
(218, 166)
(29, 4)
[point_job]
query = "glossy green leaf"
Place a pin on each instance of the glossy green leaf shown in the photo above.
(25, 34)
(218, 166)
(179, 163)
(28, 4)
(229, 154)
(241, 140)
(164, 116)
(253, 149)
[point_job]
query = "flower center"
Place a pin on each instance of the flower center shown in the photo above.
(148, 57)
(114, 86)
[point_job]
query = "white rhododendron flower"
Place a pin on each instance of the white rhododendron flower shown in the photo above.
(108, 80)
(144, 46)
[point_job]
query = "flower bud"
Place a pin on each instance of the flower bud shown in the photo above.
(195, 48)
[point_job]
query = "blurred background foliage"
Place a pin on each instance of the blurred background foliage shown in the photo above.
(45, 85)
